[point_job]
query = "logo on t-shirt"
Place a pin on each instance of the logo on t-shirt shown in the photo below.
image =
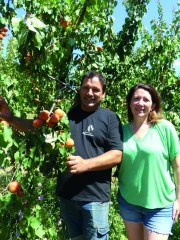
(89, 131)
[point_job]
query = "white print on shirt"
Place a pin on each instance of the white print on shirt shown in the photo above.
(88, 131)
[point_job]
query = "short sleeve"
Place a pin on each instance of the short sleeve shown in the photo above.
(170, 137)
(115, 133)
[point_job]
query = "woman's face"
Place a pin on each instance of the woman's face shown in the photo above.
(141, 104)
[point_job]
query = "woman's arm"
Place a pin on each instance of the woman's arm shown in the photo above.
(176, 171)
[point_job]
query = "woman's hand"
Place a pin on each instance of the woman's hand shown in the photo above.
(176, 210)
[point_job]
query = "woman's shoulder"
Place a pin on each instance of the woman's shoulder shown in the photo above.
(165, 123)
(166, 126)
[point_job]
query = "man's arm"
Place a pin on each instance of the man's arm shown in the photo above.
(18, 123)
(107, 160)
(21, 124)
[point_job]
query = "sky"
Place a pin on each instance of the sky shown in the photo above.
(120, 15)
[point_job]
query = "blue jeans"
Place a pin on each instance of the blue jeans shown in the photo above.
(84, 220)
(157, 220)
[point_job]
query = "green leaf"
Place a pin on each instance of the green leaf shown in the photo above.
(37, 23)
(6, 81)
(23, 36)
(15, 23)
(62, 150)
(95, 65)
(2, 156)
(7, 134)
(38, 39)
(40, 232)
(17, 156)
(2, 142)
(35, 223)
(31, 27)
(52, 232)
(71, 41)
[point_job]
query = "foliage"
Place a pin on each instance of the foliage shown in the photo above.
(53, 45)
(117, 228)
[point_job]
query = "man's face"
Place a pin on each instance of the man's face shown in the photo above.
(91, 94)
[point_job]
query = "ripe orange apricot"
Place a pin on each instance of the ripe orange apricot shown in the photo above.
(69, 143)
(54, 118)
(36, 89)
(44, 115)
(14, 186)
(99, 48)
(49, 123)
(4, 29)
(3, 34)
(36, 99)
(28, 54)
(37, 123)
(59, 112)
(4, 122)
(64, 23)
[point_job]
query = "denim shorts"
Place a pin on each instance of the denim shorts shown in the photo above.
(84, 220)
(159, 220)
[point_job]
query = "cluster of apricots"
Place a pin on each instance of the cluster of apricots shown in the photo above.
(15, 187)
(3, 31)
(47, 118)
(50, 120)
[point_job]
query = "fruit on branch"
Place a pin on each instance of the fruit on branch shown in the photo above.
(36, 89)
(49, 123)
(64, 23)
(54, 118)
(37, 123)
(28, 54)
(3, 34)
(69, 143)
(99, 48)
(4, 123)
(44, 115)
(59, 112)
(14, 186)
(4, 29)
(36, 99)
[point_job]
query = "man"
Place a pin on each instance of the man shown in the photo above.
(84, 191)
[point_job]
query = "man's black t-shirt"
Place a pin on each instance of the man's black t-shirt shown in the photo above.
(94, 133)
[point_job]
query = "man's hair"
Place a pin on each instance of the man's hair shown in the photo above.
(99, 75)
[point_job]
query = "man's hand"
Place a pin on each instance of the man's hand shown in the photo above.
(5, 113)
(76, 164)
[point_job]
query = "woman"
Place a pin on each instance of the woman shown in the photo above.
(149, 201)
